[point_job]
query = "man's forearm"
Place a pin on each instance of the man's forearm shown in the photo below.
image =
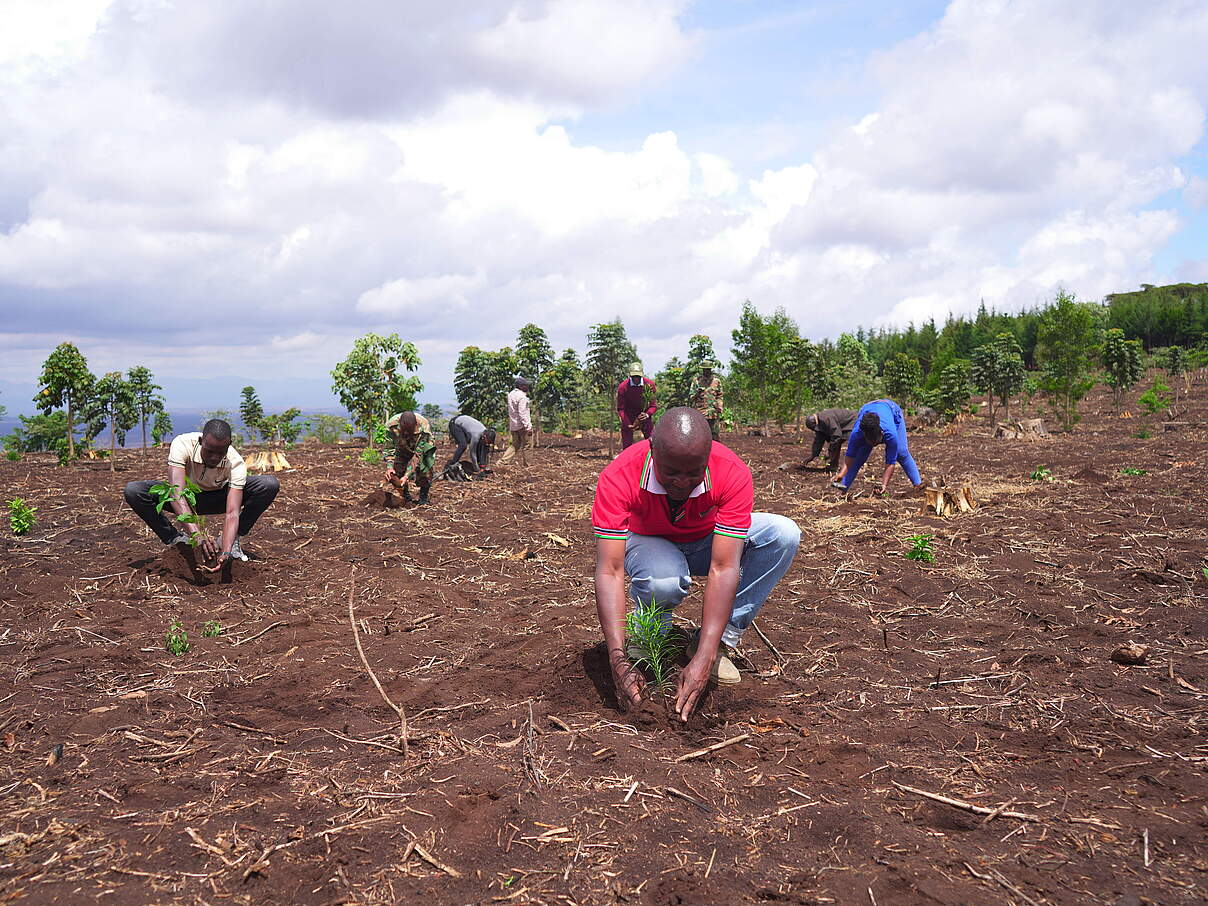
(719, 604)
(610, 609)
(230, 530)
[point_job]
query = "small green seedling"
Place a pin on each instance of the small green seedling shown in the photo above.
(12, 455)
(211, 628)
(1204, 570)
(920, 548)
(1042, 473)
(652, 645)
(20, 516)
(1129, 470)
(1143, 434)
(176, 639)
(371, 456)
(164, 493)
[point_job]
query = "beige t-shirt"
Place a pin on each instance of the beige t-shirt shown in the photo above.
(186, 451)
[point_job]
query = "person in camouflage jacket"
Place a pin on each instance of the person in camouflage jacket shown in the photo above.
(708, 399)
(412, 439)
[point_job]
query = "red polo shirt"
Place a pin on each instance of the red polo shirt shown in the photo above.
(629, 498)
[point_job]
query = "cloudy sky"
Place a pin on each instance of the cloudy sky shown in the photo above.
(230, 191)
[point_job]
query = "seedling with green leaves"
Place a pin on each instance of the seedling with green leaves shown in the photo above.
(371, 456)
(1143, 434)
(211, 628)
(176, 639)
(20, 516)
(164, 493)
(920, 548)
(12, 455)
(1042, 473)
(1130, 470)
(652, 644)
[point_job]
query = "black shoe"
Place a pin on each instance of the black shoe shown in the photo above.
(423, 497)
(407, 495)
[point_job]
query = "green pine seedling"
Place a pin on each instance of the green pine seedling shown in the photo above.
(651, 644)
(1042, 473)
(176, 639)
(920, 548)
(20, 516)
(1129, 470)
(1143, 434)
(164, 493)
(211, 628)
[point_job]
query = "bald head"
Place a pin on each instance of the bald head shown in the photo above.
(680, 449)
(682, 430)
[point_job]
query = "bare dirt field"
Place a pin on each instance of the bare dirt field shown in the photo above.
(262, 766)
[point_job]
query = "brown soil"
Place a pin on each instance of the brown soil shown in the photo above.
(262, 765)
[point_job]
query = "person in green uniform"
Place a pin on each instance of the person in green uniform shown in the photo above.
(412, 439)
(708, 400)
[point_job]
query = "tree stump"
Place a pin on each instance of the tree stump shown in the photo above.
(947, 502)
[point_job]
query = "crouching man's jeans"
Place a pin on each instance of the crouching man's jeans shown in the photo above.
(258, 493)
(660, 570)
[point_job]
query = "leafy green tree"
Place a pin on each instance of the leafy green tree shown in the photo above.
(609, 354)
(147, 398)
(800, 365)
(903, 377)
(281, 427)
(162, 427)
(327, 428)
(1176, 364)
(951, 396)
(431, 411)
(756, 350)
(473, 383)
(561, 387)
(371, 383)
(38, 433)
(1121, 364)
(534, 356)
(674, 384)
(111, 403)
(65, 382)
(997, 370)
(251, 412)
(1065, 342)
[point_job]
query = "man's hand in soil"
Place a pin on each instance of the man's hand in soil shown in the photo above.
(206, 545)
(629, 682)
(692, 682)
(219, 563)
(392, 477)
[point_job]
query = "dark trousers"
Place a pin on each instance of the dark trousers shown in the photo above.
(627, 432)
(258, 493)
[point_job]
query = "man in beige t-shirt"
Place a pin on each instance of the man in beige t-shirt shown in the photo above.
(207, 458)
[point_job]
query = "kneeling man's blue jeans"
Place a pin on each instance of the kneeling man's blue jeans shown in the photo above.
(660, 570)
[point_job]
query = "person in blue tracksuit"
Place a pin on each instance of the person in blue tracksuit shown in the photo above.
(878, 422)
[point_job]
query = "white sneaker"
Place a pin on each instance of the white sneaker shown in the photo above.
(237, 551)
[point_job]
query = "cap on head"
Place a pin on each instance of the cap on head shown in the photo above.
(635, 370)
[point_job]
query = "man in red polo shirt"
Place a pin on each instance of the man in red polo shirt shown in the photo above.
(674, 507)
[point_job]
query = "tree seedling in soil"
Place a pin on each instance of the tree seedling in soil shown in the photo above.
(371, 456)
(12, 455)
(164, 493)
(211, 628)
(20, 516)
(920, 548)
(1129, 470)
(1042, 473)
(652, 645)
(1143, 434)
(176, 639)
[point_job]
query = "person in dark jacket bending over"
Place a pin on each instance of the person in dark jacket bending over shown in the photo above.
(468, 433)
(635, 404)
(832, 427)
(878, 422)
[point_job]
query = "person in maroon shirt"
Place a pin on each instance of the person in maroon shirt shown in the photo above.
(635, 404)
(672, 508)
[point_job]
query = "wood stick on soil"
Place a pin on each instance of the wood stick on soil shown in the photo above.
(713, 748)
(260, 633)
(356, 637)
(692, 799)
(967, 806)
(763, 638)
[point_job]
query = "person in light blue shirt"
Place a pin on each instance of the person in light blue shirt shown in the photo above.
(878, 422)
